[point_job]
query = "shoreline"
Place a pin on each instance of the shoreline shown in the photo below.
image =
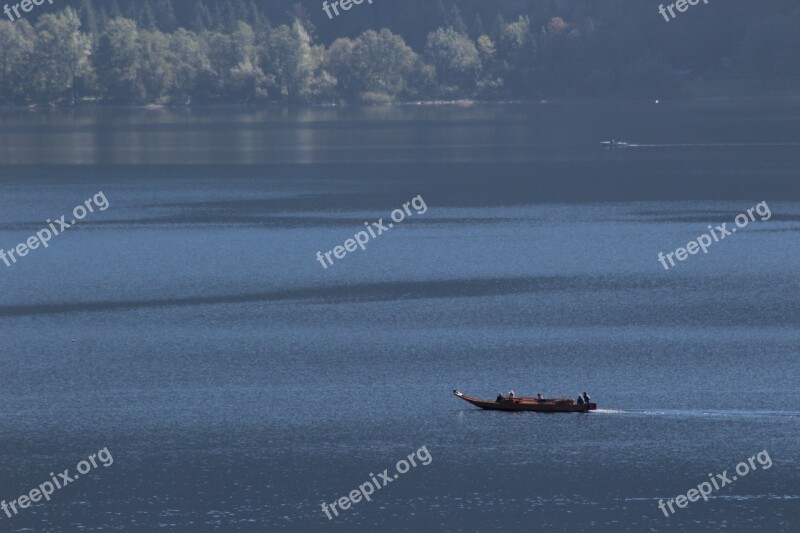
(693, 90)
(93, 106)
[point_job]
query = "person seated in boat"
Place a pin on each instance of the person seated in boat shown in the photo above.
(511, 395)
(586, 398)
(500, 397)
(539, 397)
(580, 400)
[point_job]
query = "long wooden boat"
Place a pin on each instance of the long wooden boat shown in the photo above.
(528, 403)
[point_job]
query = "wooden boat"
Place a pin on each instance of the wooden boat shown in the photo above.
(528, 403)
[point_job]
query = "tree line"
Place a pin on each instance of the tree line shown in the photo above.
(129, 52)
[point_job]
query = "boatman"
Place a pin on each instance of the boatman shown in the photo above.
(586, 397)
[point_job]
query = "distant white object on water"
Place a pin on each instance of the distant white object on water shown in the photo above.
(613, 144)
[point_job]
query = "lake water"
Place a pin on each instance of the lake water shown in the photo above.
(190, 329)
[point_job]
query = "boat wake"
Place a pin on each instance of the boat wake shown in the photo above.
(729, 413)
(703, 145)
(736, 497)
(699, 413)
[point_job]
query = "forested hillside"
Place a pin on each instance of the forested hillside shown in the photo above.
(248, 51)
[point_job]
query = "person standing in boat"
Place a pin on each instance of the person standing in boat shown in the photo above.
(586, 397)
(511, 394)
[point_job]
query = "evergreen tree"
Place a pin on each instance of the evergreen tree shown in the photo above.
(86, 12)
(479, 27)
(300, 13)
(255, 16)
(146, 18)
(112, 8)
(456, 21)
(225, 16)
(165, 15)
(200, 19)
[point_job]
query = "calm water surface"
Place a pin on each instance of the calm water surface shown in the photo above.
(238, 385)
